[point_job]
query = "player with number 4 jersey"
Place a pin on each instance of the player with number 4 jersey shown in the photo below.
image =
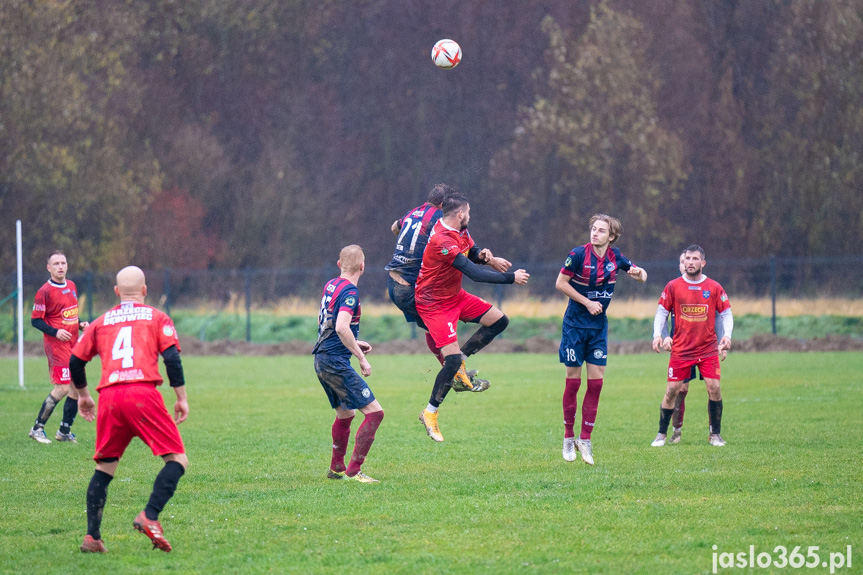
(129, 339)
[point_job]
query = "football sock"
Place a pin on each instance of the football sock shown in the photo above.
(434, 348)
(341, 436)
(365, 438)
(483, 336)
(664, 419)
(163, 489)
(431, 408)
(97, 493)
(70, 410)
(47, 409)
(679, 409)
(443, 381)
(570, 405)
(714, 410)
(589, 406)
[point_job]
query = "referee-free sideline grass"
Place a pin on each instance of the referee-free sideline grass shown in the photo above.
(495, 497)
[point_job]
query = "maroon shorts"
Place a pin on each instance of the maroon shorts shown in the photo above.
(60, 374)
(134, 410)
(441, 317)
(681, 369)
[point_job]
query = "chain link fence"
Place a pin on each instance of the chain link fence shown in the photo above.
(259, 290)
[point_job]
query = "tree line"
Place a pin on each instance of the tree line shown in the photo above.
(227, 133)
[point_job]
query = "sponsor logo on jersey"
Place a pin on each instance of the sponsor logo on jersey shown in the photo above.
(128, 313)
(39, 307)
(126, 375)
(168, 330)
(65, 291)
(444, 251)
(723, 297)
(695, 312)
(694, 288)
(70, 314)
(604, 294)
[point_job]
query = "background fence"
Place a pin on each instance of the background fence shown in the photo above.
(245, 290)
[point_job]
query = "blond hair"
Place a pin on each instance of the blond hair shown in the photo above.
(614, 226)
(351, 258)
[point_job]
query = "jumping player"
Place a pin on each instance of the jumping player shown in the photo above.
(695, 300)
(129, 339)
(55, 314)
(442, 303)
(338, 330)
(413, 231)
(588, 277)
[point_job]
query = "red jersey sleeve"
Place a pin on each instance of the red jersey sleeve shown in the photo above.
(86, 347)
(39, 304)
(167, 335)
(666, 300)
(722, 302)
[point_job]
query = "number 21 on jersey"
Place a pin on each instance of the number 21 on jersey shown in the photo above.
(123, 347)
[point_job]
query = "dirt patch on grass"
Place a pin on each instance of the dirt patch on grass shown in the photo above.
(757, 343)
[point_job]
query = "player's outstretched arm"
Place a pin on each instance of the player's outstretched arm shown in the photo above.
(482, 274)
(637, 273)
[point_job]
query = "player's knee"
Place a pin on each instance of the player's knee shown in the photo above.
(180, 458)
(500, 325)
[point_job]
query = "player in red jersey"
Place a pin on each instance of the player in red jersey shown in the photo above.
(442, 303)
(55, 314)
(695, 301)
(129, 339)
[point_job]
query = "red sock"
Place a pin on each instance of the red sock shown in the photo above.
(681, 399)
(364, 439)
(341, 435)
(588, 407)
(434, 349)
(570, 406)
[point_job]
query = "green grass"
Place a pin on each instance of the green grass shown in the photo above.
(496, 497)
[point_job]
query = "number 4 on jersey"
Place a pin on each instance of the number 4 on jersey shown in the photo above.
(123, 347)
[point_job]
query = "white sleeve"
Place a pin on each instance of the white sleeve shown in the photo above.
(727, 322)
(660, 322)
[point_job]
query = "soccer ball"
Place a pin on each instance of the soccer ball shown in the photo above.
(446, 54)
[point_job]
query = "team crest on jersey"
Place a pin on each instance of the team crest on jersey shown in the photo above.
(350, 300)
(597, 353)
(168, 330)
(366, 392)
(705, 293)
(609, 267)
(723, 297)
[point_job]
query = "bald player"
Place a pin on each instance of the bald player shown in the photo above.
(129, 339)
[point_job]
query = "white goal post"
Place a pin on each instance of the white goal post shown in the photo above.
(20, 306)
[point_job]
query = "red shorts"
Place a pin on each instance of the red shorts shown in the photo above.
(681, 369)
(60, 374)
(441, 317)
(134, 410)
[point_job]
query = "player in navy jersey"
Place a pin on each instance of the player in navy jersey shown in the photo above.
(338, 330)
(588, 278)
(413, 231)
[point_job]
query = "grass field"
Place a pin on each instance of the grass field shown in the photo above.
(496, 497)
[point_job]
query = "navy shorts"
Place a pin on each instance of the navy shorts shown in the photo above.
(404, 298)
(693, 374)
(580, 344)
(343, 385)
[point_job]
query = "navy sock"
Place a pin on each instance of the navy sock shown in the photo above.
(163, 489)
(70, 410)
